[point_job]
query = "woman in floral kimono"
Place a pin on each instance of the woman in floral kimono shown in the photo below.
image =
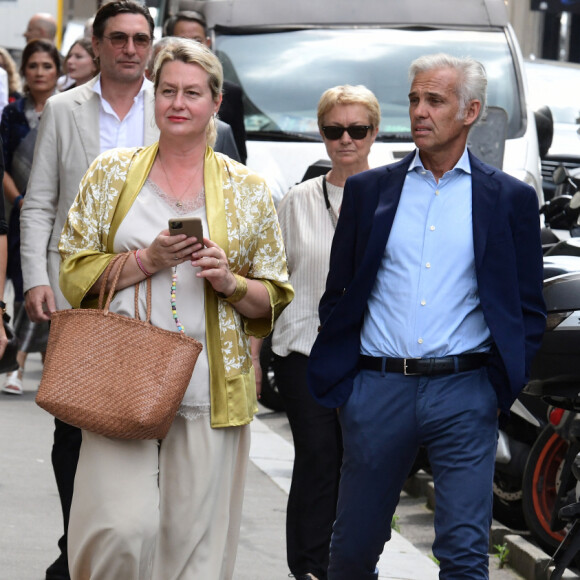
(171, 509)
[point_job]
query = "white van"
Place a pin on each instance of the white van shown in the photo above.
(286, 53)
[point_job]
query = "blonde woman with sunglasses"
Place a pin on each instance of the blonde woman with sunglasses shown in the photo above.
(348, 121)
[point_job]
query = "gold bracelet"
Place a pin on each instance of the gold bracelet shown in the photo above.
(240, 291)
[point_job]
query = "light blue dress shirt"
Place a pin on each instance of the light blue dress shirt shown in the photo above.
(425, 300)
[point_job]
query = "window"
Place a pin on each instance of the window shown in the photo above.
(284, 73)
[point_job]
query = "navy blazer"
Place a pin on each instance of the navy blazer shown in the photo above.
(508, 264)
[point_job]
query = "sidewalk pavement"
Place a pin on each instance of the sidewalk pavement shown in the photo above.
(31, 522)
(274, 456)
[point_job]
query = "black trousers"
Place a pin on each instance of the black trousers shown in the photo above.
(318, 456)
(65, 456)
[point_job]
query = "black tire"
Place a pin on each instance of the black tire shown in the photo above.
(271, 397)
(508, 478)
(507, 501)
(421, 463)
(542, 479)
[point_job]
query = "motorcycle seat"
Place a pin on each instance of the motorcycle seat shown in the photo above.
(560, 391)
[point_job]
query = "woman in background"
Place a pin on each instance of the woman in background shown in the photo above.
(348, 121)
(3, 255)
(40, 68)
(14, 84)
(80, 64)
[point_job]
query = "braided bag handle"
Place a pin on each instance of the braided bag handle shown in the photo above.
(122, 259)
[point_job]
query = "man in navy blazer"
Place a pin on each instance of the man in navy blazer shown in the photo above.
(432, 314)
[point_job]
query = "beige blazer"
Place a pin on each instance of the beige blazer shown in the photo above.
(67, 143)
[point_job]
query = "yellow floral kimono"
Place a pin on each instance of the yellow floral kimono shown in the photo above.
(242, 221)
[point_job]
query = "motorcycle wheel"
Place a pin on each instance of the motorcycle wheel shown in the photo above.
(542, 480)
(507, 501)
(507, 478)
(270, 397)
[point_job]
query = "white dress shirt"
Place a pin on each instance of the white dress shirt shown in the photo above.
(129, 132)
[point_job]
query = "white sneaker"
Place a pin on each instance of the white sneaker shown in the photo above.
(13, 384)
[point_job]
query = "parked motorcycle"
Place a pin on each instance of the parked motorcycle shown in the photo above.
(515, 442)
(552, 474)
(530, 490)
(528, 438)
(549, 482)
(562, 211)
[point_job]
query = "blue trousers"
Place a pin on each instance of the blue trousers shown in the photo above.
(384, 422)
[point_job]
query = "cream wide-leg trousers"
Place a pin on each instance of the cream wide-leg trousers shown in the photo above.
(144, 510)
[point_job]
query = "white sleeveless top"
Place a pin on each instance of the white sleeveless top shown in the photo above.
(148, 216)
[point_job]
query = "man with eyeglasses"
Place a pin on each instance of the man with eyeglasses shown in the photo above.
(115, 109)
(432, 314)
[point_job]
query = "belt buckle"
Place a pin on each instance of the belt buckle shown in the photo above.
(409, 374)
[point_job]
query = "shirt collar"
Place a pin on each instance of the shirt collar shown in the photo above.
(463, 163)
(144, 85)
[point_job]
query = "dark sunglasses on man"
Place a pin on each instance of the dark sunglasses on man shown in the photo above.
(120, 40)
(356, 132)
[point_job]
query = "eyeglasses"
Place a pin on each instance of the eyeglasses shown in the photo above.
(335, 132)
(120, 40)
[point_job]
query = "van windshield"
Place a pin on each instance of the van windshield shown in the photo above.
(283, 74)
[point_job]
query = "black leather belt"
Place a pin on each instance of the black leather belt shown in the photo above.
(424, 366)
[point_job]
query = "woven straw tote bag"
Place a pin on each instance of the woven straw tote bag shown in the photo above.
(114, 375)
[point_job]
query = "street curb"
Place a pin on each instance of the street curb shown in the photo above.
(531, 562)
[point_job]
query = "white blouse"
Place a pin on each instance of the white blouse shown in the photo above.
(148, 216)
(308, 231)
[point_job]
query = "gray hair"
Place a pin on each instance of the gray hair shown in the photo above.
(158, 46)
(472, 83)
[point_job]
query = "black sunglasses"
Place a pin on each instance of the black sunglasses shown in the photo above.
(357, 132)
(120, 40)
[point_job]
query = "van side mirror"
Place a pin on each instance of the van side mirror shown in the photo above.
(545, 129)
(560, 175)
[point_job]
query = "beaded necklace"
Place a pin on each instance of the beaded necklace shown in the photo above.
(180, 326)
